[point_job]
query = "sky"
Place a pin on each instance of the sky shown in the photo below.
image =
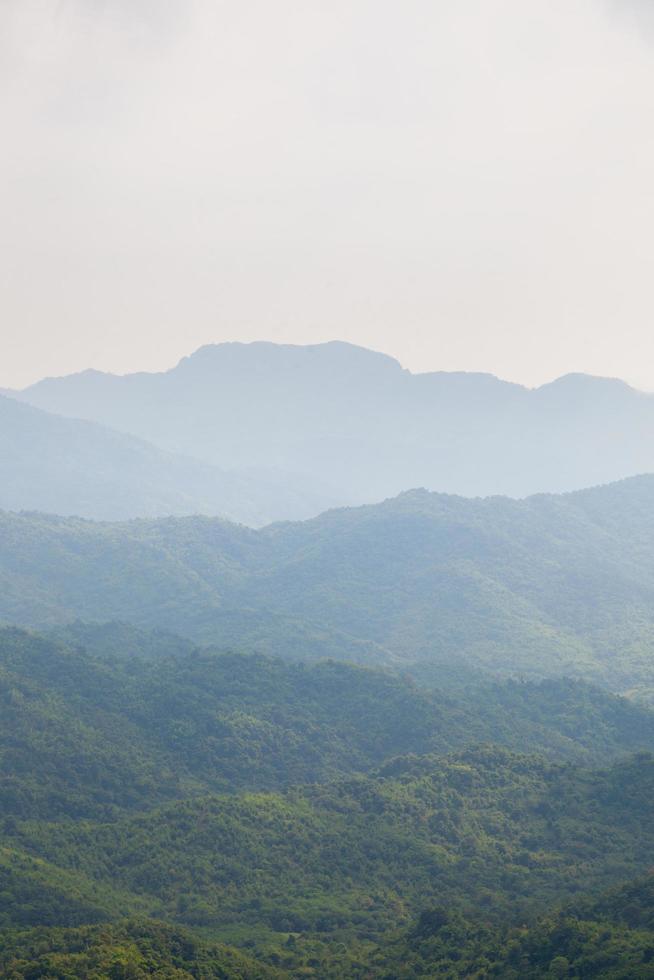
(463, 184)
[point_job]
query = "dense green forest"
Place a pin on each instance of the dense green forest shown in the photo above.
(86, 733)
(327, 819)
(611, 937)
(133, 950)
(484, 827)
(546, 586)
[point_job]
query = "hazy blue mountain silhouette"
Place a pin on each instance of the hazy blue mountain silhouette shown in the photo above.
(67, 466)
(364, 427)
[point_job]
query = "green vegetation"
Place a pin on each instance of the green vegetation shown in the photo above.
(88, 735)
(327, 873)
(612, 938)
(396, 742)
(159, 801)
(539, 587)
(134, 950)
(484, 828)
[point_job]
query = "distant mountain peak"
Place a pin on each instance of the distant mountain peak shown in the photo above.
(271, 353)
(265, 353)
(579, 381)
(341, 417)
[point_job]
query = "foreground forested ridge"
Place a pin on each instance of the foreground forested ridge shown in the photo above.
(321, 815)
(92, 735)
(607, 938)
(547, 586)
(128, 950)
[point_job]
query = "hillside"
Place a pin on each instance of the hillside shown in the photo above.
(610, 938)
(92, 736)
(310, 813)
(547, 586)
(358, 423)
(132, 950)
(350, 860)
(67, 466)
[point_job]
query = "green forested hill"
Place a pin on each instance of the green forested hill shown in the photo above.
(83, 735)
(133, 950)
(543, 586)
(483, 830)
(312, 813)
(610, 938)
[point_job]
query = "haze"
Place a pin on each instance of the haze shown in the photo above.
(463, 185)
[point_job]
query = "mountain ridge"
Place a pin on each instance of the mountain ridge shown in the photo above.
(80, 467)
(545, 586)
(209, 350)
(357, 422)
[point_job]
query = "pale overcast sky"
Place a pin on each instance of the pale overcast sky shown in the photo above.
(465, 184)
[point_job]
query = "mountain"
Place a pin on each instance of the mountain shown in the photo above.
(350, 860)
(354, 421)
(83, 735)
(68, 466)
(608, 937)
(322, 817)
(545, 586)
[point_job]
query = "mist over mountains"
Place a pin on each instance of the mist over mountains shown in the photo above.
(547, 586)
(316, 664)
(356, 427)
(306, 738)
(75, 467)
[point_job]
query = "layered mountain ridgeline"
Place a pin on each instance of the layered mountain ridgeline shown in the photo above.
(315, 814)
(547, 586)
(356, 421)
(91, 736)
(68, 466)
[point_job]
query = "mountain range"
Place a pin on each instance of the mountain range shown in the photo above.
(256, 727)
(549, 585)
(71, 466)
(356, 424)
(332, 821)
